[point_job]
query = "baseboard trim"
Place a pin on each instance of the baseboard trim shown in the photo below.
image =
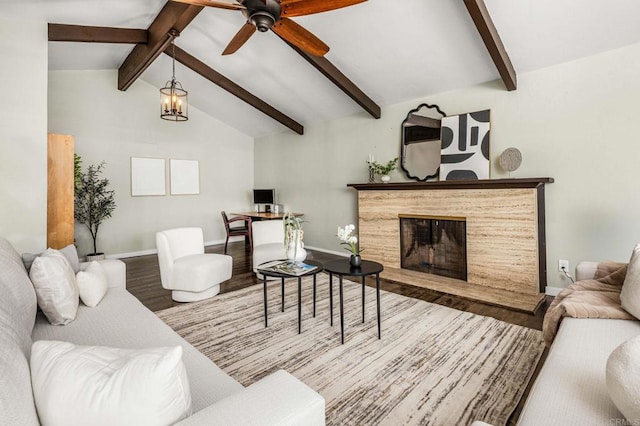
(552, 291)
(337, 253)
(155, 251)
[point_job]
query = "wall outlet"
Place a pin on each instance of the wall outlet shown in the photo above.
(562, 263)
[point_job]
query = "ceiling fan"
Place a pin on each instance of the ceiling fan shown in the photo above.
(274, 15)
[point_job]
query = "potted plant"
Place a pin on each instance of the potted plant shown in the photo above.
(293, 235)
(384, 170)
(94, 203)
(346, 237)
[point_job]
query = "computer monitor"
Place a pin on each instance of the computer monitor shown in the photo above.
(264, 196)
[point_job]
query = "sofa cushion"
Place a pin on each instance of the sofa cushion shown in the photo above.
(630, 294)
(623, 376)
(92, 284)
(571, 386)
(56, 288)
(121, 321)
(97, 385)
(17, 316)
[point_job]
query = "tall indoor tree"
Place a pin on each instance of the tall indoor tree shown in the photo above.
(94, 202)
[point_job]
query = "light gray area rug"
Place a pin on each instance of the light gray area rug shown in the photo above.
(433, 366)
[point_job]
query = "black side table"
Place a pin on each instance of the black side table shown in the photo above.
(282, 276)
(341, 268)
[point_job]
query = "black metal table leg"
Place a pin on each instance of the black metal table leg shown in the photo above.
(264, 280)
(314, 295)
(378, 297)
(363, 278)
(331, 297)
(282, 294)
(341, 310)
(299, 305)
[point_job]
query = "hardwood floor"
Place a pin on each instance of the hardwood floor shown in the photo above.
(143, 281)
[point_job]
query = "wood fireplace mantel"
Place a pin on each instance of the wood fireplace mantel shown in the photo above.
(506, 249)
(454, 184)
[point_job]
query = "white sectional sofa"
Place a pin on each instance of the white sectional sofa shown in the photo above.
(120, 320)
(571, 387)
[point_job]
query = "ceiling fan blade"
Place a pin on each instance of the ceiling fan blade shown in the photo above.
(220, 4)
(292, 8)
(240, 38)
(297, 35)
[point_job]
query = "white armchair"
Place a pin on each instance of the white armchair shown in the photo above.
(268, 242)
(186, 269)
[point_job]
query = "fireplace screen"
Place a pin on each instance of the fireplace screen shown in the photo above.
(435, 245)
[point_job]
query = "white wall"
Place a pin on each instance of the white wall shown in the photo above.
(23, 133)
(113, 126)
(576, 122)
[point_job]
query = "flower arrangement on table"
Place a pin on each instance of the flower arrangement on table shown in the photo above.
(346, 237)
(383, 170)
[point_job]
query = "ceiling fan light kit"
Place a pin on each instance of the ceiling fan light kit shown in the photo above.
(174, 105)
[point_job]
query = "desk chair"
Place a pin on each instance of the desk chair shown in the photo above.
(237, 231)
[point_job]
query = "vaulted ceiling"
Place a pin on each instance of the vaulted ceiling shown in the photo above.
(391, 50)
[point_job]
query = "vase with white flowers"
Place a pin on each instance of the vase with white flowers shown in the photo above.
(293, 235)
(348, 239)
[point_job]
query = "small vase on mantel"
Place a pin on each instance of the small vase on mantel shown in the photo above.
(355, 260)
(385, 178)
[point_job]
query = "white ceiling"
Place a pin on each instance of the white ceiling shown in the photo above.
(393, 50)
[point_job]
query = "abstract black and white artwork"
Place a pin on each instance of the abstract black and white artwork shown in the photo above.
(465, 146)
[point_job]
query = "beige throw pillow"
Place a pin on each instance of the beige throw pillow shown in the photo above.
(630, 294)
(622, 376)
(55, 285)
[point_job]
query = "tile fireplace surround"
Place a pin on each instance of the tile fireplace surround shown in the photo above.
(505, 225)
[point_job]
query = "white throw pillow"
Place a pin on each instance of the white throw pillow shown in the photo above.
(92, 284)
(630, 294)
(96, 385)
(623, 376)
(55, 285)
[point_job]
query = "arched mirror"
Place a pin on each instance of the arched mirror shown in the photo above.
(420, 144)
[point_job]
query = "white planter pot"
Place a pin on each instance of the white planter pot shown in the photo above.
(385, 178)
(97, 256)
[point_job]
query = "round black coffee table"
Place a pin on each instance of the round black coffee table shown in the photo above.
(282, 275)
(342, 268)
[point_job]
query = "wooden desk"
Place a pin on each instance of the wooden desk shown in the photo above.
(264, 215)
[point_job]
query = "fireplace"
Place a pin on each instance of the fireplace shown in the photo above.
(434, 245)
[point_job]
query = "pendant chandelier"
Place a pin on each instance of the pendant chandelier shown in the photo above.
(173, 98)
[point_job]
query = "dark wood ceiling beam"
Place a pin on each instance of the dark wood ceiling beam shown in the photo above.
(86, 34)
(215, 77)
(173, 16)
(481, 18)
(330, 71)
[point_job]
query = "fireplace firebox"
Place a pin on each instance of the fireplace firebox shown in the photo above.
(434, 244)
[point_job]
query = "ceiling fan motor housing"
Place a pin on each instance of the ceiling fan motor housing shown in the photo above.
(262, 13)
(262, 20)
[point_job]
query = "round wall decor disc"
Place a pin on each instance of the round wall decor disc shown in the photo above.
(510, 159)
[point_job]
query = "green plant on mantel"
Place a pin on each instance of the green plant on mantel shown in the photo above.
(380, 169)
(94, 202)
